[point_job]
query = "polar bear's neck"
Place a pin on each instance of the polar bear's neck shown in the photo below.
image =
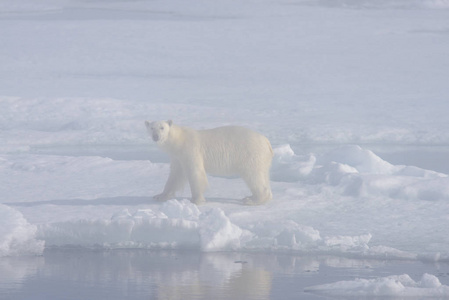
(175, 141)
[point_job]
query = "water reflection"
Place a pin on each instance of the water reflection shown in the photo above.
(140, 274)
(14, 271)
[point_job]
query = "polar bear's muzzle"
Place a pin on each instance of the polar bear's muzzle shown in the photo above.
(156, 137)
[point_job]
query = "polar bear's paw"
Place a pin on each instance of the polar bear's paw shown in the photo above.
(252, 201)
(199, 200)
(163, 197)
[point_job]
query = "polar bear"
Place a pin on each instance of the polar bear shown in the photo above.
(222, 151)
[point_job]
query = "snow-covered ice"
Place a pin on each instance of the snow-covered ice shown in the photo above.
(334, 85)
(385, 287)
(347, 201)
(17, 236)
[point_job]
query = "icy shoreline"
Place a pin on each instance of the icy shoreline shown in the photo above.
(80, 74)
(349, 174)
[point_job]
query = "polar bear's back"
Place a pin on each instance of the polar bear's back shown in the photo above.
(230, 150)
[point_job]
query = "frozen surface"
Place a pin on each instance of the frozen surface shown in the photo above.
(17, 236)
(352, 95)
(333, 71)
(387, 287)
(322, 204)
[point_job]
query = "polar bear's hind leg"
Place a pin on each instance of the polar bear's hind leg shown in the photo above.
(259, 184)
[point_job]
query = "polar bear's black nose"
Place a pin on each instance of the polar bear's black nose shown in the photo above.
(156, 137)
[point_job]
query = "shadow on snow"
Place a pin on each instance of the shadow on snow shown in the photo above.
(120, 200)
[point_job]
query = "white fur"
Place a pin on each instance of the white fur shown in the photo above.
(222, 151)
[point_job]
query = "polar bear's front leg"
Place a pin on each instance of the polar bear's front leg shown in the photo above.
(198, 181)
(175, 182)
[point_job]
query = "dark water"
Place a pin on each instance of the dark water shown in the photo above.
(434, 158)
(144, 274)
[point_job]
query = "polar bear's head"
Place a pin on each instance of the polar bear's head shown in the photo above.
(159, 130)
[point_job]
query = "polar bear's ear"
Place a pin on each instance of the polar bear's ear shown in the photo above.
(148, 124)
(170, 122)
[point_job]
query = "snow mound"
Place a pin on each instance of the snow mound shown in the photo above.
(290, 236)
(391, 286)
(182, 225)
(17, 236)
(181, 210)
(362, 160)
(289, 167)
(145, 228)
(360, 172)
(218, 233)
(176, 225)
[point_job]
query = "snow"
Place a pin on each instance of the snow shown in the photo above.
(17, 236)
(392, 286)
(108, 204)
(336, 86)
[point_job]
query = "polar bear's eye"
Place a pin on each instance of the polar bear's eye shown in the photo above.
(162, 128)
